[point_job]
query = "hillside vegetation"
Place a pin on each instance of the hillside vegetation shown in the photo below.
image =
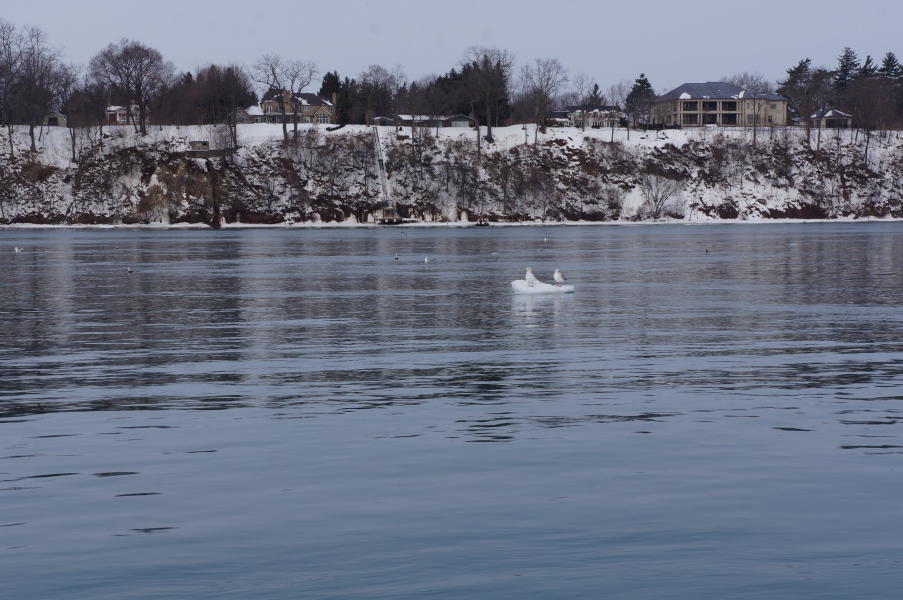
(567, 175)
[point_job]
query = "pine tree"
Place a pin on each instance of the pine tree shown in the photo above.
(595, 96)
(640, 98)
(890, 67)
(847, 68)
(794, 86)
(332, 84)
(868, 68)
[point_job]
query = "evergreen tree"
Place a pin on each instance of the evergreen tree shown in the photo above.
(332, 84)
(890, 67)
(345, 92)
(639, 100)
(847, 68)
(795, 86)
(868, 68)
(595, 95)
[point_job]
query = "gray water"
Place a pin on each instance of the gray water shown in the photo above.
(296, 414)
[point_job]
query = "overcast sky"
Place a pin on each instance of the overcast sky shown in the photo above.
(672, 41)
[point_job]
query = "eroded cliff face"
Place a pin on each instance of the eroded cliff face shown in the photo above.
(326, 176)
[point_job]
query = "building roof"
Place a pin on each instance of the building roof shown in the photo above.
(592, 107)
(303, 98)
(714, 90)
(254, 111)
(830, 113)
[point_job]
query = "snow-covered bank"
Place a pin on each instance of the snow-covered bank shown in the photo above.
(328, 178)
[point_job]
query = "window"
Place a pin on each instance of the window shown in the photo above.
(709, 106)
(709, 119)
(268, 109)
(305, 108)
(770, 119)
(729, 119)
(749, 119)
(773, 106)
(306, 119)
(729, 106)
(691, 105)
(691, 119)
(257, 119)
(322, 119)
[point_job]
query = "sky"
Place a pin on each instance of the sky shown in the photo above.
(671, 41)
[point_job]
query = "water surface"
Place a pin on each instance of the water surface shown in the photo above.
(269, 413)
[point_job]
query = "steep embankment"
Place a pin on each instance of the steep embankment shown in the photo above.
(568, 175)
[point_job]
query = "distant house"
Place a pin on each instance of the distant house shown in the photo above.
(558, 118)
(594, 115)
(424, 121)
(718, 103)
(54, 120)
(252, 114)
(199, 145)
(828, 119)
(119, 115)
(300, 108)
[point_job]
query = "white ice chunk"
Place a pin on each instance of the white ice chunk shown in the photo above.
(520, 287)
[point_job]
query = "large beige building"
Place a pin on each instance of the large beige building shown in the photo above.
(305, 108)
(718, 103)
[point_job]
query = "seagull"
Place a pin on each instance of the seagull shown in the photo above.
(559, 278)
(396, 256)
(129, 270)
(17, 249)
(530, 279)
(426, 259)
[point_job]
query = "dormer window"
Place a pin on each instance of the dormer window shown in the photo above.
(305, 108)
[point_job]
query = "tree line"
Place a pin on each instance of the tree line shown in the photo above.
(35, 81)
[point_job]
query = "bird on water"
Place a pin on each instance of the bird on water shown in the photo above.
(396, 256)
(530, 278)
(129, 270)
(559, 278)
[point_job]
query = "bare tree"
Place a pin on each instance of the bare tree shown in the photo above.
(297, 74)
(10, 66)
(756, 89)
(68, 80)
(617, 95)
(138, 71)
(398, 82)
(376, 86)
(541, 82)
(583, 87)
(658, 191)
(38, 91)
(286, 78)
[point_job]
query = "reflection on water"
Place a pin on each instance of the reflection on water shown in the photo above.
(296, 411)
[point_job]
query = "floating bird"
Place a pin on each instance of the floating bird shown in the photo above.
(396, 256)
(559, 278)
(545, 239)
(706, 250)
(530, 278)
(129, 270)
(17, 249)
(426, 259)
